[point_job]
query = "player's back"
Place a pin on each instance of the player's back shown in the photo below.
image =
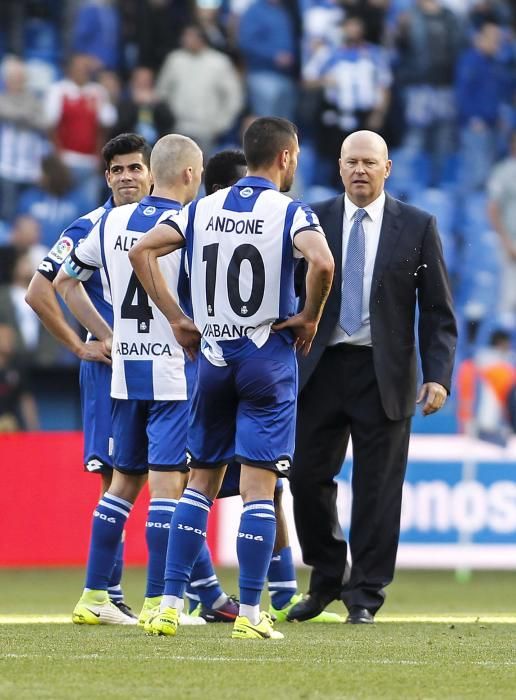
(241, 257)
(148, 363)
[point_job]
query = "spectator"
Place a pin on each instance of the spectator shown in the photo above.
(356, 79)
(17, 406)
(372, 13)
(22, 141)
(54, 202)
(501, 189)
(202, 89)
(142, 111)
(496, 373)
(482, 88)
(157, 26)
(96, 32)
(24, 237)
(33, 345)
(268, 45)
(78, 111)
(428, 41)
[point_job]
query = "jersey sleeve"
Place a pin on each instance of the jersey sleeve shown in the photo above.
(87, 256)
(178, 220)
(65, 244)
(304, 219)
(67, 241)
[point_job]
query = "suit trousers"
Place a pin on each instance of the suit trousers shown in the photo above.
(342, 400)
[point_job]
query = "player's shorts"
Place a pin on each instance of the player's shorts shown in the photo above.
(149, 435)
(231, 482)
(96, 403)
(246, 411)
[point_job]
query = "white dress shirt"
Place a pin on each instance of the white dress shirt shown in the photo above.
(372, 224)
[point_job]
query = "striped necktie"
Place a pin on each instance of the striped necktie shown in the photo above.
(350, 318)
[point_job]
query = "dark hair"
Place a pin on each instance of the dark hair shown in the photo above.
(499, 336)
(123, 144)
(57, 176)
(265, 138)
(222, 169)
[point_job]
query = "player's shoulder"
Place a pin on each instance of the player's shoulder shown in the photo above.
(118, 217)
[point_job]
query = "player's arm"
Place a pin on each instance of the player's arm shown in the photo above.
(77, 268)
(41, 297)
(74, 296)
(311, 243)
(161, 240)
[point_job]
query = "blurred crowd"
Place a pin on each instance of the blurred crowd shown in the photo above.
(437, 78)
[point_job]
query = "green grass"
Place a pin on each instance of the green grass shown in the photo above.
(387, 660)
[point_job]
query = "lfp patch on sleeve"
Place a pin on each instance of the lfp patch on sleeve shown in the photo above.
(61, 250)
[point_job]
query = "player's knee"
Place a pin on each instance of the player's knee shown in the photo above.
(206, 481)
(257, 484)
(166, 484)
(127, 486)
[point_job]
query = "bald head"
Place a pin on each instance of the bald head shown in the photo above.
(369, 140)
(171, 156)
(364, 166)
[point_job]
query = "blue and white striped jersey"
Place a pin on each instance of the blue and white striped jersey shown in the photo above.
(240, 251)
(148, 363)
(96, 286)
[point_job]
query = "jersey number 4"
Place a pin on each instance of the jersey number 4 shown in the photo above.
(141, 311)
(243, 252)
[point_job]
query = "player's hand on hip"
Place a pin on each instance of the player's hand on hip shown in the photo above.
(97, 351)
(434, 396)
(304, 331)
(187, 335)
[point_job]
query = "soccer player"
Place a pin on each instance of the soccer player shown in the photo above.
(223, 170)
(241, 245)
(149, 383)
(127, 160)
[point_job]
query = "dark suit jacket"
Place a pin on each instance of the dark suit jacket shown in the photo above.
(409, 269)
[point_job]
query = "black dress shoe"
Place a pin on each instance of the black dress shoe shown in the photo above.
(359, 616)
(312, 605)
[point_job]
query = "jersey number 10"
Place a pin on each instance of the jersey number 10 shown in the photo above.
(243, 252)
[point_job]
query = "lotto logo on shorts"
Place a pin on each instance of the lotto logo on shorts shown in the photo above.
(282, 465)
(248, 536)
(94, 465)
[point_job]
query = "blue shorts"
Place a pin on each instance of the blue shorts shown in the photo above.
(149, 435)
(246, 411)
(96, 404)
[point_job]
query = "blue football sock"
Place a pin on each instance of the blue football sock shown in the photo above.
(255, 542)
(187, 538)
(157, 529)
(282, 578)
(204, 585)
(109, 518)
(115, 592)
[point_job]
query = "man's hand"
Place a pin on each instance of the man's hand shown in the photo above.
(303, 330)
(96, 351)
(187, 335)
(434, 395)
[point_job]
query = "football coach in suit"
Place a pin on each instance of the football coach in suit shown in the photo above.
(359, 380)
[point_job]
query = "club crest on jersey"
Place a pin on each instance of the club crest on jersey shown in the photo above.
(246, 192)
(149, 211)
(61, 249)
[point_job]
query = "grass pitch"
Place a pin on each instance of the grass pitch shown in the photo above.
(435, 638)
